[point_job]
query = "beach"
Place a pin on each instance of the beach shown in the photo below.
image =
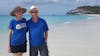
(81, 38)
(76, 39)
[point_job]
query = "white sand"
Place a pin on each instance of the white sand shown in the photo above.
(74, 39)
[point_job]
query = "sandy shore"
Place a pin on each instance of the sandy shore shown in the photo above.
(74, 39)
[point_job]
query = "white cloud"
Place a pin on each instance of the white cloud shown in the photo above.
(55, 0)
(6, 6)
(80, 0)
(77, 0)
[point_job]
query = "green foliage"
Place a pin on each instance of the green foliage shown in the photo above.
(95, 9)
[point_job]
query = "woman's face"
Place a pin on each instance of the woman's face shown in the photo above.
(18, 13)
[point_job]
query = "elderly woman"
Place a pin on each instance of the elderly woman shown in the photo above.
(17, 32)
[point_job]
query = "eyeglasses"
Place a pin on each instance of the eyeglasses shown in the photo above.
(34, 11)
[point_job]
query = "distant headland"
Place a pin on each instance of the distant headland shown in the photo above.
(85, 10)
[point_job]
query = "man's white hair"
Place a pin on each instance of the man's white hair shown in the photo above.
(32, 7)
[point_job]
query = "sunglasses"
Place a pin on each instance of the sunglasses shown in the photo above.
(34, 11)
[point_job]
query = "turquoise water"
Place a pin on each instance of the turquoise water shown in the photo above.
(51, 20)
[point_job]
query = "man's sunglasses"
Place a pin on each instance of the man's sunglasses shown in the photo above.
(34, 11)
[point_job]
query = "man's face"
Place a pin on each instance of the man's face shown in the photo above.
(34, 12)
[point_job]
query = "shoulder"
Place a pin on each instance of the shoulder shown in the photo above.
(29, 21)
(11, 21)
(41, 19)
(24, 19)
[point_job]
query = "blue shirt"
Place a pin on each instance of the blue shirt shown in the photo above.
(19, 31)
(36, 31)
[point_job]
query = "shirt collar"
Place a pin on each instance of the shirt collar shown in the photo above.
(37, 21)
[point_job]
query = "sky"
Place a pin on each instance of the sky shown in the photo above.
(46, 7)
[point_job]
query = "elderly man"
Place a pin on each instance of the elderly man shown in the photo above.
(38, 33)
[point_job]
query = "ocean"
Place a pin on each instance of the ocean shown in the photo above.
(51, 20)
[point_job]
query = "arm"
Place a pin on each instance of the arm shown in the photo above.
(45, 30)
(9, 37)
(46, 35)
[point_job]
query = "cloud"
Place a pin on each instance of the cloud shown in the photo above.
(39, 2)
(61, 5)
(77, 0)
(55, 0)
(80, 0)
(88, 2)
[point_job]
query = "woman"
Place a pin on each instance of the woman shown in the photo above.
(17, 32)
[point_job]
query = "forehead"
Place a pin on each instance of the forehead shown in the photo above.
(18, 10)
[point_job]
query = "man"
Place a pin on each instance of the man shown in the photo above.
(38, 33)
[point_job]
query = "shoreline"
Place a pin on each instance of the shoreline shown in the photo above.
(75, 39)
(91, 18)
(93, 14)
(79, 38)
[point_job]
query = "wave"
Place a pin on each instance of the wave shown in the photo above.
(67, 22)
(91, 18)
